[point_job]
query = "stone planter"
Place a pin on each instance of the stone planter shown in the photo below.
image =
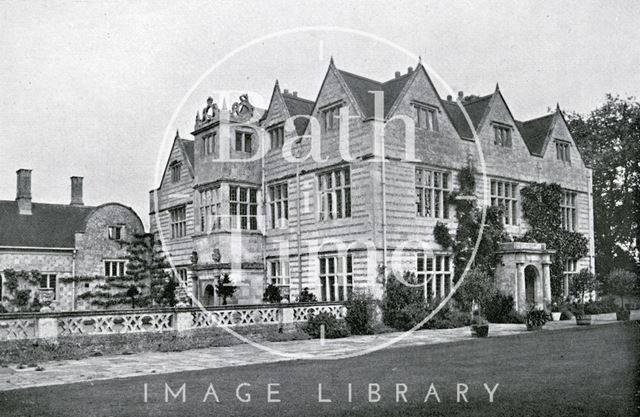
(556, 315)
(623, 315)
(480, 330)
(584, 320)
(534, 328)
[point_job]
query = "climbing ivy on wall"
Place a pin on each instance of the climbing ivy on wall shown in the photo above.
(20, 298)
(469, 217)
(541, 209)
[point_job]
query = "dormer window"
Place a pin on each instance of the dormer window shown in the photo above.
(243, 141)
(502, 134)
(176, 169)
(277, 136)
(563, 151)
(331, 118)
(426, 117)
(115, 232)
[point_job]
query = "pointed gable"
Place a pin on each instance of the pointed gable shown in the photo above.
(297, 106)
(477, 109)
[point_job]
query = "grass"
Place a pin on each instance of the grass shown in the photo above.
(588, 371)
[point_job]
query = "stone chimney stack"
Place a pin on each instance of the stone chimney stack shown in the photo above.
(76, 191)
(397, 74)
(23, 195)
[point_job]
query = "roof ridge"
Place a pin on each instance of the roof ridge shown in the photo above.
(537, 118)
(475, 100)
(53, 204)
(398, 78)
(289, 95)
(360, 76)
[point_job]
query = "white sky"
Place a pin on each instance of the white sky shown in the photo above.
(89, 88)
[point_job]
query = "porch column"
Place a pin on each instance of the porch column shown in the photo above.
(520, 291)
(565, 284)
(546, 277)
(441, 285)
(433, 286)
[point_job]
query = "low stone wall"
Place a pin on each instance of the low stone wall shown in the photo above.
(83, 346)
(32, 337)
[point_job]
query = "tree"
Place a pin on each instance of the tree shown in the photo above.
(621, 283)
(307, 296)
(225, 288)
(609, 140)
(132, 293)
(478, 286)
(148, 267)
(582, 284)
(272, 294)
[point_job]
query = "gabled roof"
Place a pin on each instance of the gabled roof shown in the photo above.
(298, 106)
(360, 87)
(535, 132)
(187, 145)
(49, 225)
(457, 119)
(477, 108)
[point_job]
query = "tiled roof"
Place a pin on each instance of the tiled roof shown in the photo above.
(477, 108)
(297, 106)
(360, 87)
(458, 119)
(49, 225)
(188, 147)
(534, 132)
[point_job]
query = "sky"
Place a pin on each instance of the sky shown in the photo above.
(98, 89)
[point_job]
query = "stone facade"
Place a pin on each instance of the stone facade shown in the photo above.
(383, 225)
(65, 242)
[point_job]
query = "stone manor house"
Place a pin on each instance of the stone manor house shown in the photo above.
(63, 242)
(222, 208)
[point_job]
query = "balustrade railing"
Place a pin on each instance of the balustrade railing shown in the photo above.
(15, 326)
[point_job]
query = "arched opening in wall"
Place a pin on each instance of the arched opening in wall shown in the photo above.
(209, 295)
(530, 278)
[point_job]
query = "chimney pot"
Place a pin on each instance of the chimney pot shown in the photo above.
(460, 95)
(397, 74)
(410, 69)
(286, 91)
(76, 191)
(449, 98)
(295, 94)
(23, 194)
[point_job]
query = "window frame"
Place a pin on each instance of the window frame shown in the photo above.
(244, 138)
(334, 200)
(176, 171)
(424, 185)
(569, 210)
(178, 221)
(563, 150)
(48, 276)
(120, 267)
(117, 234)
(278, 203)
(427, 117)
(336, 285)
(503, 135)
(209, 206)
(279, 272)
(276, 136)
(237, 204)
(510, 202)
(331, 117)
(435, 272)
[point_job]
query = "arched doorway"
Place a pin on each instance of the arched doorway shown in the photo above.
(209, 295)
(530, 284)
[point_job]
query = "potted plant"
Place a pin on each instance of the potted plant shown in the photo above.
(555, 311)
(583, 318)
(479, 326)
(535, 318)
(621, 283)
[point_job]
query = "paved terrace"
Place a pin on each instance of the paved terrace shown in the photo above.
(122, 366)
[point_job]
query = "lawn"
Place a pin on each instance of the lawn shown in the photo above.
(579, 372)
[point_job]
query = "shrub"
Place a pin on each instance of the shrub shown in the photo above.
(360, 312)
(536, 317)
(272, 294)
(403, 304)
(306, 296)
(500, 309)
(333, 328)
(450, 316)
(604, 306)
